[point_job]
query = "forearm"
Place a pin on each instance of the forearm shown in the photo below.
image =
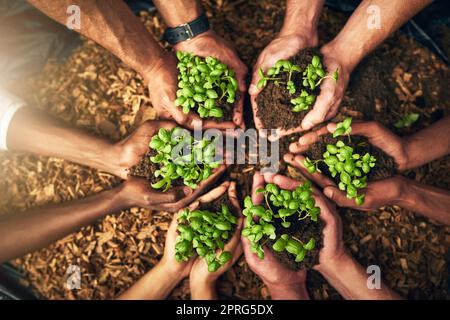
(348, 277)
(156, 284)
(428, 144)
(177, 12)
(295, 291)
(203, 290)
(356, 39)
(302, 17)
(31, 230)
(35, 132)
(426, 200)
(112, 25)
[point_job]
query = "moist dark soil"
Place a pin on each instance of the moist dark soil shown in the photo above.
(216, 206)
(302, 230)
(227, 109)
(274, 101)
(145, 169)
(385, 165)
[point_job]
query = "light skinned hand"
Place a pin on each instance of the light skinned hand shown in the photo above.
(282, 47)
(181, 268)
(331, 91)
(199, 273)
(211, 44)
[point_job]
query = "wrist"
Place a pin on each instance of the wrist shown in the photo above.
(151, 69)
(174, 269)
(202, 287)
(334, 266)
(404, 198)
(346, 58)
(292, 291)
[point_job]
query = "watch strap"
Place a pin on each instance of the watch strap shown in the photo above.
(186, 31)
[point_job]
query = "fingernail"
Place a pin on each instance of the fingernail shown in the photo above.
(328, 192)
(187, 191)
(252, 89)
(293, 146)
(307, 125)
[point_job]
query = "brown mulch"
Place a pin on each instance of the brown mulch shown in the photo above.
(94, 91)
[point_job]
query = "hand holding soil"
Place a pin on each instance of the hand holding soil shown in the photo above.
(290, 89)
(202, 280)
(210, 44)
(162, 85)
(282, 282)
(377, 193)
(191, 178)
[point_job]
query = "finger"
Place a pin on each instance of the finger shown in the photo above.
(232, 195)
(235, 239)
(172, 196)
(323, 103)
(339, 197)
(279, 133)
(327, 209)
(238, 115)
(215, 193)
(190, 120)
(369, 129)
(285, 183)
(308, 139)
(317, 177)
(258, 183)
(258, 123)
(172, 231)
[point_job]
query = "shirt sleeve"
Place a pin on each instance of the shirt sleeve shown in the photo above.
(9, 105)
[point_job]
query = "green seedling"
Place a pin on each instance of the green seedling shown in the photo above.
(181, 157)
(294, 246)
(341, 160)
(313, 75)
(203, 84)
(279, 204)
(343, 128)
(407, 121)
(203, 232)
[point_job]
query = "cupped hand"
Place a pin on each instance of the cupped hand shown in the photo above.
(270, 270)
(210, 44)
(378, 136)
(333, 245)
(162, 81)
(199, 273)
(331, 91)
(377, 194)
(181, 268)
(131, 149)
(282, 47)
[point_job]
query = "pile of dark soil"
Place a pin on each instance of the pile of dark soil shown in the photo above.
(274, 101)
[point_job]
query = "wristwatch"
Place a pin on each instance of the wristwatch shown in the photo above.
(186, 31)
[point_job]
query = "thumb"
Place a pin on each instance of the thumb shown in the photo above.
(171, 196)
(337, 196)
